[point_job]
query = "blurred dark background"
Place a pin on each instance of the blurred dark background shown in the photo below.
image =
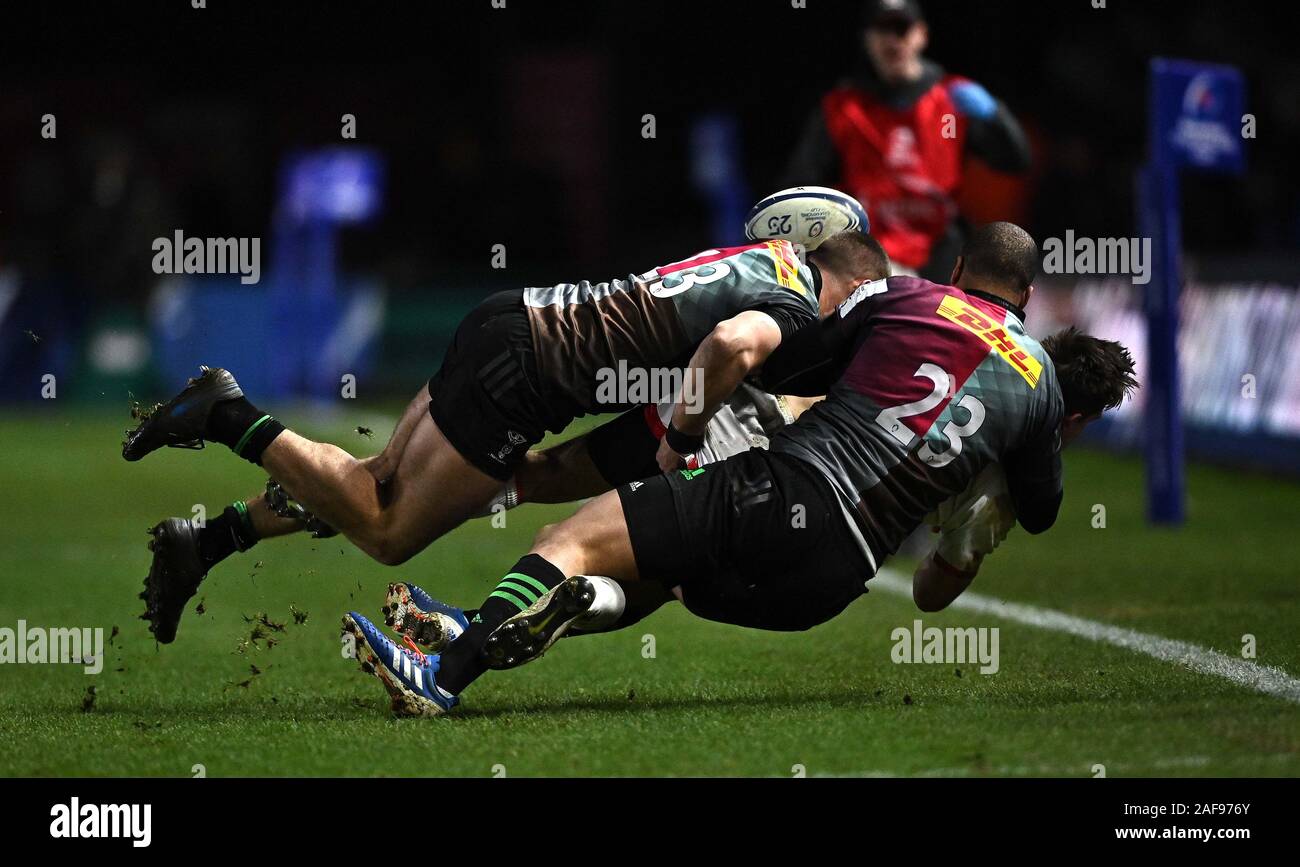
(522, 126)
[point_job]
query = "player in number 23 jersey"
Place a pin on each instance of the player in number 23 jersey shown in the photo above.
(926, 386)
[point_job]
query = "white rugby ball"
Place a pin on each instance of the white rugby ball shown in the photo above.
(805, 216)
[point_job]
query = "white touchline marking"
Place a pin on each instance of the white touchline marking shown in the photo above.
(1264, 678)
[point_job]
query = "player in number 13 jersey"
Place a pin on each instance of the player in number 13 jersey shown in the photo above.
(926, 386)
(522, 363)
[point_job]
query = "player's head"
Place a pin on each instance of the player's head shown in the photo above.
(1000, 258)
(1094, 374)
(894, 36)
(846, 260)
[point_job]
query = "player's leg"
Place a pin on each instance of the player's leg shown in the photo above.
(621, 450)
(562, 473)
(759, 540)
(268, 515)
(640, 600)
(384, 465)
(344, 493)
(246, 522)
(594, 541)
(544, 590)
(212, 407)
(184, 551)
(190, 556)
(429, 685)
(397, 521)
(265, 523)
(412, 611)
(417, 682)
(729, 535)
(433, 491)
(484, 410)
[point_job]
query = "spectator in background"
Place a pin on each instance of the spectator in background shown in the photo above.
(895, 135)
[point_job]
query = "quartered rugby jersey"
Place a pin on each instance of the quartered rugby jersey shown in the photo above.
(656, 320)
(935, 385)
(747, 419)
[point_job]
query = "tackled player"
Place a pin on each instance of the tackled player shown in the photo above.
(928, 386)
(522, 363)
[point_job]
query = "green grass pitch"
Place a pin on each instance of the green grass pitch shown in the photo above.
(713, 700)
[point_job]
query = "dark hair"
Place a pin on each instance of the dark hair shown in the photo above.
(873, 11)
(1094, 374)
(852, 254)
(1002, 253)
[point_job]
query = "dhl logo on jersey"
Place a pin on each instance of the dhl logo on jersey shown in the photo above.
(787, 265)
(994, 335)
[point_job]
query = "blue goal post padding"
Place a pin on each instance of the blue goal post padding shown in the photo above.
(1195, 121)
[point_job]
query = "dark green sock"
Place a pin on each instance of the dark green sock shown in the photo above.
(227, 533)
(242, 427)
(462, 662)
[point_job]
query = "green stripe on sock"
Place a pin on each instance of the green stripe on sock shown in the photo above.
(243, 441)
(509, 597)
(541, 588)
(242, 508)
(523, 591)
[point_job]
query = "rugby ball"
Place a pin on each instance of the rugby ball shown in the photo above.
(805, 216)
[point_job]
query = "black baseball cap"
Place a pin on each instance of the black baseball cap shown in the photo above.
(880, 11)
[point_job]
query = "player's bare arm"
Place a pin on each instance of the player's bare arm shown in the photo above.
(735, 348)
